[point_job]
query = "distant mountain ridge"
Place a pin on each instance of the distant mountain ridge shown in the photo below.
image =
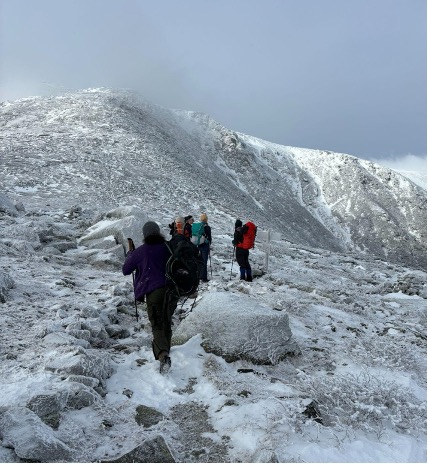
(105, 148)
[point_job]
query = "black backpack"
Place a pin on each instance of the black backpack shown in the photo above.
(184, 267)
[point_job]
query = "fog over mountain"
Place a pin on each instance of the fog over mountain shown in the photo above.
(68, 146)
(322, 358)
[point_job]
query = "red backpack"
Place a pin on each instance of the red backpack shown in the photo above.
(250, 232)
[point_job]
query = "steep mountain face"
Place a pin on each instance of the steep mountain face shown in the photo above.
(110, 148)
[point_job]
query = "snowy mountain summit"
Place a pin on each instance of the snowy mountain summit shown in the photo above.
(108, 148)
(321, 358)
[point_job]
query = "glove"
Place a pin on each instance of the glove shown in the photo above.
(131, 246)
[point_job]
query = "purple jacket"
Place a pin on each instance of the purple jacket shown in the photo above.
(149, 262)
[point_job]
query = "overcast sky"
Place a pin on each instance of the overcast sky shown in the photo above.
(346, 76)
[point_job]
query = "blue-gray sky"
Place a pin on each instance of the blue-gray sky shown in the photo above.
(346, 76)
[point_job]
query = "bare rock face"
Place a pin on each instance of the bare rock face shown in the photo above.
(236, 327)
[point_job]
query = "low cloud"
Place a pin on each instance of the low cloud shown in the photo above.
(405, 163)
(413, 167)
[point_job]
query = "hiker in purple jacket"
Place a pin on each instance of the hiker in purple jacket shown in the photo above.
(149, 263)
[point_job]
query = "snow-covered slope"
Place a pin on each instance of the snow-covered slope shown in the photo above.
(110, 148)
(330, 361)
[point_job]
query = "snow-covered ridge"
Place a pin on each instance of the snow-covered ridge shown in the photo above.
(316, 360)
(111, 148)
(330, 361)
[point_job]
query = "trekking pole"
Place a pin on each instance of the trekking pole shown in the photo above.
(131, 247)
(211, 269)
(231, 266)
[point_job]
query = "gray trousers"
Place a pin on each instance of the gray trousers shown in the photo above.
(161, 304)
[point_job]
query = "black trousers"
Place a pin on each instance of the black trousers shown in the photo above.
(161, 304)
(242, 256)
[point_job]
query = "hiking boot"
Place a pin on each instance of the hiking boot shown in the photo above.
(249, 279)
(165, 365)
(205, 280)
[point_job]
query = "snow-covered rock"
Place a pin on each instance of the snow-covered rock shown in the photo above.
(7, 206)
(6, 283)
(31, 439)
(78, 361)
(118, 224)
(238, 327)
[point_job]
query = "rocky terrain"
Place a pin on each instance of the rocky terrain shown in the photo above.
(322, 358)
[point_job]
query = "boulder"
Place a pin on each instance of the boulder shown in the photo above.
(238, 327)
(120, 223)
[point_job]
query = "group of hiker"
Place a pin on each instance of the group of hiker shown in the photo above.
(164, 271)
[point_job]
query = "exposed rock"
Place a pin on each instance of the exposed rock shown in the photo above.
(117, 331)
(147, 416)
(47, 404)
(195, 429)
(154, 450)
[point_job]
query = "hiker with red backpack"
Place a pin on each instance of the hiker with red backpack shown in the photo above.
(243, 240)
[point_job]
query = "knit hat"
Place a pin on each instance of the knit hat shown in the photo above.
(150, 228)
(187, 218)
(204, 217)
(238, 223)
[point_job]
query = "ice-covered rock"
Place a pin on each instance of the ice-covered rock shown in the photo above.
(31, 439)
(78, 361)
(238, 327)
(120, 223)
(7, 206)
(6, 283)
